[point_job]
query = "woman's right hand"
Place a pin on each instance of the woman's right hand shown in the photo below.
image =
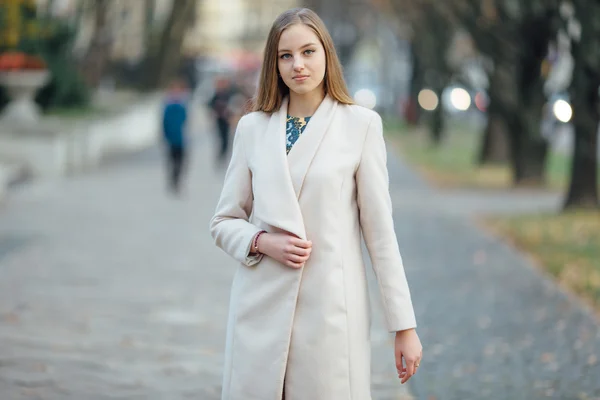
(287, 249)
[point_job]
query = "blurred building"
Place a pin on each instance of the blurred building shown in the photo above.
(226, 25)
(219, 27)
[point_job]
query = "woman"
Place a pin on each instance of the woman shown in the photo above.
(292, 209)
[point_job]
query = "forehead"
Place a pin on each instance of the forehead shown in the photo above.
(296, 36)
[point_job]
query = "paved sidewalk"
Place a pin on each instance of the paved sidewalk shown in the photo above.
(112, 289)
(493, 325)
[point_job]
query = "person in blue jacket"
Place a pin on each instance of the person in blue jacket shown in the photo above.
(174, 135)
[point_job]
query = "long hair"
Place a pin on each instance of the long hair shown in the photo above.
(271, 88)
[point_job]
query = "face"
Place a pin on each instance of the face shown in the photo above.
(301, 59)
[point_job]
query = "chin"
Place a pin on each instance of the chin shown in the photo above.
(302, 89)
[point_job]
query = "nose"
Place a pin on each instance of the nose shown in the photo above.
(298, 64)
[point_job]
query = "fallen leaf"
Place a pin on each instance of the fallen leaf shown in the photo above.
(480, 257)
(547, 358)
(40, 367)
(127, 342)
(11, 318)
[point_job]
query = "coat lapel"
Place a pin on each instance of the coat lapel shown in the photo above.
(286, 172)
(305, 148)
(280, 208)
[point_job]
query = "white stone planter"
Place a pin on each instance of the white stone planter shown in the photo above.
(22, 87)
(53, 148)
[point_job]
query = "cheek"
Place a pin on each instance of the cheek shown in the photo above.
(285, 67)
(320, 64)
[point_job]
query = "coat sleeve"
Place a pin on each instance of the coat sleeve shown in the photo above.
(375, 207)
(229, 226)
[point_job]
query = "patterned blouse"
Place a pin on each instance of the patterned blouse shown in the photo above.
(293, 129)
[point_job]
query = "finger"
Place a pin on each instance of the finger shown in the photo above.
(305, 244)
(296, 259)
(295, 265)
(399, 366)
(410, 370)
(299, 251)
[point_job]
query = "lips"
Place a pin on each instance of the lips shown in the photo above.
(300, 78)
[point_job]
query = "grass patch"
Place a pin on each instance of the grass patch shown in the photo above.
(76, 112)
(453, 164)
(566, 245)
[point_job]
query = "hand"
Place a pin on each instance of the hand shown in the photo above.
(287, 249)
(407, 347)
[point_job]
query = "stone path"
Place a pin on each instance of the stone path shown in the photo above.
(493, 326)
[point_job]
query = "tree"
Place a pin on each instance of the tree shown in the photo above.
(585, 48)
(342, 18)
(97, 57)
(149, 8)
(166, 60)
(431, 35)
(494, 148)
(515, 35)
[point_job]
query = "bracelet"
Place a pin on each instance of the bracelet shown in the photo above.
(255, 244)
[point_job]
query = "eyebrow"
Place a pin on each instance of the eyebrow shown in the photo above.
(306, 45)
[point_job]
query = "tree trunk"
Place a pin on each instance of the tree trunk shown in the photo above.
(530, 163)
(168, 57)
(437, 123)
(97, 57)
(494, 147)
(520, 103)
(412, 110)
(528, 152)
(583, 189)
(149, 6)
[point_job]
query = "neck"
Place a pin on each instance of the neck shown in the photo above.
(305, 105)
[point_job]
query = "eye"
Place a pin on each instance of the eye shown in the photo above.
(309, 52)
(285, 56)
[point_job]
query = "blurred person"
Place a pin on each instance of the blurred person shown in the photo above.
(221, 110)
(240, 102)
(307, 176)
(174, 118)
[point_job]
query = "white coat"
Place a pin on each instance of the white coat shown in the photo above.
(308, 327)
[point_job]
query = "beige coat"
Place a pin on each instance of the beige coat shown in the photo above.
(308, 327)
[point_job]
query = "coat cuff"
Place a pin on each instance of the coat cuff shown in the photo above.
(251, 260)
(401, 322)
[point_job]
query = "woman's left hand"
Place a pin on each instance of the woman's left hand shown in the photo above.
(407, 347)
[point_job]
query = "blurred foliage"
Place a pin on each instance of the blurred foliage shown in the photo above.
(66, 88)
(452, 164)
(52, 39)
(3, 98)
(566, 245)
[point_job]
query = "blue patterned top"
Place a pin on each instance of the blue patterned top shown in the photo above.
(293, 129)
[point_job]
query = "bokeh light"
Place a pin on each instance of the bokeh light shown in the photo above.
(365, 98)
(460, 99)
(562, 110)
(428, 100)
(481, 101)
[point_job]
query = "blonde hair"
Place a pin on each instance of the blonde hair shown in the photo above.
(271, 88)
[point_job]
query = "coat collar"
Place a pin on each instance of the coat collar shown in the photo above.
(300, 157)
(289, 170)
(305, 149)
